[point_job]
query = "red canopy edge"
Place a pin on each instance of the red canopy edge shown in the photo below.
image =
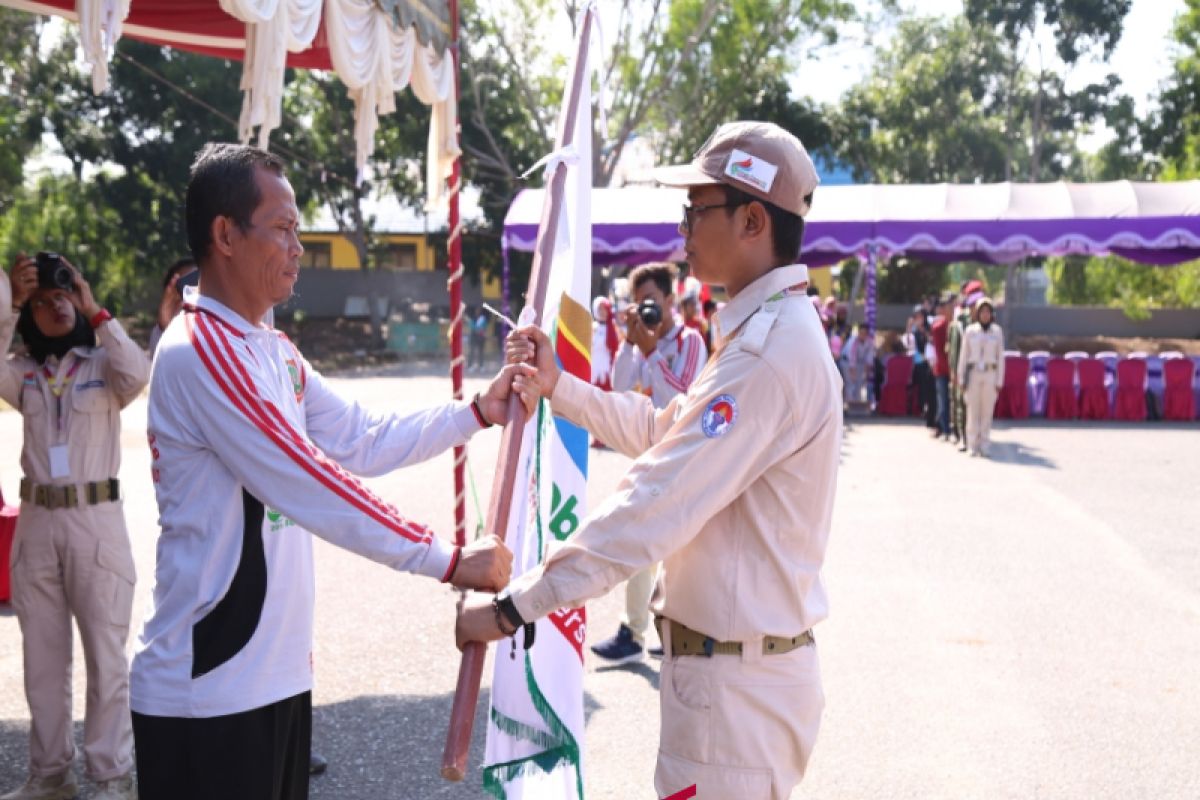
(197, 26)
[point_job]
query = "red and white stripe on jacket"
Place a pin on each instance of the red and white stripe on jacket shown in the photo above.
(239, 421)
(667, 372)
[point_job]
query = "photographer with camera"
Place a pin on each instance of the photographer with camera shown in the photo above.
(660, 357)
(71, 556)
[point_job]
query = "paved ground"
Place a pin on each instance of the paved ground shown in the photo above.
(1026, 627)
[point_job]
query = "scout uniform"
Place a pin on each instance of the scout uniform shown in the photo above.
(733, 492)
(958, 404)
(981, 371)
(71, 556)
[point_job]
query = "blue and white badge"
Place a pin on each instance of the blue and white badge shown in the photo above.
(719, 416)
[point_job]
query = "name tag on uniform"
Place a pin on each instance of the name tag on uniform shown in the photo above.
(60, 461)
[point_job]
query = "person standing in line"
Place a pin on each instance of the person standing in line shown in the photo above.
(71, 556)
(938, 335)
(971, 291)
(981, 372)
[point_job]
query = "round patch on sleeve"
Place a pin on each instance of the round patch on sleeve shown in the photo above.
(719, 416)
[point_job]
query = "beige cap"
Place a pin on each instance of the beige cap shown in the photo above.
(759, 158)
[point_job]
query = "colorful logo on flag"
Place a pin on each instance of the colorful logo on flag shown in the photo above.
(719, 416)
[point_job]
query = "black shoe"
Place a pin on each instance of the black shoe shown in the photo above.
(317, 764)
(620, 649)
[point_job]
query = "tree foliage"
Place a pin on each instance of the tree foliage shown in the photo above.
(677, 68)
(1078, 26)
(1116, 282)
(945, 101)
(1174, 134)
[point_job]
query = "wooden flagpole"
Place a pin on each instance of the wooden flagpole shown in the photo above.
(470, 671)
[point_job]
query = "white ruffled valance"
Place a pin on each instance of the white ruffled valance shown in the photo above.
(99, 29)
(375, 60)
(373, 55)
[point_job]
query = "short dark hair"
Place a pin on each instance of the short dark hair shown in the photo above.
(223, 184)
(181, 265)
(663, 273)
(787, 229)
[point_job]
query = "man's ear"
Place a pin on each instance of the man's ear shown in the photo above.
(756, 219)
(222, 235)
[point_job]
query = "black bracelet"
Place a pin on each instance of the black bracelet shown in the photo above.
(500, 617)
(509, 609)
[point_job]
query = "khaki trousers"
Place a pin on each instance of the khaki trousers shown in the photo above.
(737, 727)
(638, 590)
(77, 563)
(981, 404)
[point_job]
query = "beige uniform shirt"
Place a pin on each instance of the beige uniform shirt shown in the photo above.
(86, 417)
(734, 481)
(982, 356)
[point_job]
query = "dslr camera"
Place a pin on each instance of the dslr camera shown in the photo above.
(53, 273)
(650, 312)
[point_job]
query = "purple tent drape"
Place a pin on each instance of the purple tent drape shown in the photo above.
(1001, 223)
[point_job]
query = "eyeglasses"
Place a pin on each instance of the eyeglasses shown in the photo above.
(690, 212)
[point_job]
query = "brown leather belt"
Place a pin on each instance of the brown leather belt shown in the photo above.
(93, 493)
(687, 642)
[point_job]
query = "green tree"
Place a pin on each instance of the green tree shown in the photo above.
(1116, 282)
(72, 216)
(676, 69)
(30, 73)
(161, 108)
(1174, 133)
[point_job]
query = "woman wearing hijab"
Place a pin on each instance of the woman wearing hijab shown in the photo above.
(981, 372)
(71, 557)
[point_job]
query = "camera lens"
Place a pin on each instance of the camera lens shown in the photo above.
(53, 273)
(650, 312)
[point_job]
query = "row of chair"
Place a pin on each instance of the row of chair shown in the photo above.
(1075, 386)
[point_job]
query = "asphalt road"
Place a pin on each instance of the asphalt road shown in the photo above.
(1022, 627)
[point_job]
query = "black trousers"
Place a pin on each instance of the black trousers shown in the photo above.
(261, 754)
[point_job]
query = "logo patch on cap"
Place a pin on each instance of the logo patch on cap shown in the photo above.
(719, 417)
(751, 170)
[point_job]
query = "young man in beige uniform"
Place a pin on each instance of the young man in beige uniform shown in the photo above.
(71, 555)
(732, 489)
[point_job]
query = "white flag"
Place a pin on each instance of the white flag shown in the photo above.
(535, 724)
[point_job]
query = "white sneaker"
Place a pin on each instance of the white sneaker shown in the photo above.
(52, 787)
(121, 788)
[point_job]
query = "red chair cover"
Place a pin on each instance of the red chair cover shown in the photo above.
(1130, 403)
(893, 396)
(1061, 400)
(1093, 396)
(1012, 401)
(1179, 402)
(8, 526)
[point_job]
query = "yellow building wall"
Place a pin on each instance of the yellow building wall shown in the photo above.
(343, 255)
(821, 278)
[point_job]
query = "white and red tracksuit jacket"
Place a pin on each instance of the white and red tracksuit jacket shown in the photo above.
(668, 371)
(251, 452)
